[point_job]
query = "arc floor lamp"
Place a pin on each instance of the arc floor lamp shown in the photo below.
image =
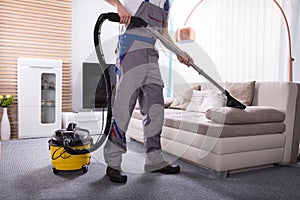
(187, 34)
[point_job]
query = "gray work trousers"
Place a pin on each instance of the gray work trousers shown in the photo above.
(140, 80)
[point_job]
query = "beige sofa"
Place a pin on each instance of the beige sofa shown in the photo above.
(267, 132)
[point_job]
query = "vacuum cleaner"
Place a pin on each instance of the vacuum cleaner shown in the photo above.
(76, 138)
(65, 143)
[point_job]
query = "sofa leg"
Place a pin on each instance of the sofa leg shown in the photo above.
(218, 175)
(222, 175)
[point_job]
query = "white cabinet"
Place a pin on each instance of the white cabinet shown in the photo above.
(39, 97)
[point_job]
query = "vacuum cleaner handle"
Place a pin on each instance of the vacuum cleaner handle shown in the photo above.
(114, 17)
(138, 22)
(231, 101)
(179, 52)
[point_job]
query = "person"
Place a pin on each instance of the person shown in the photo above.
(139, 79)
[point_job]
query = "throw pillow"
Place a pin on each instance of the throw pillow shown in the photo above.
(182, 101)
(203, 100)
(242, 91)
(168, 102)
(196, 100)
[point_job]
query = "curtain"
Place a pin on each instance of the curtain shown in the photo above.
(245, 39)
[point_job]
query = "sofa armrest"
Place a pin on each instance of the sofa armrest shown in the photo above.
(284, 96)
(295, 148)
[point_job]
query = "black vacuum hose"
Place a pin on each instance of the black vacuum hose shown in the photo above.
(113, 17)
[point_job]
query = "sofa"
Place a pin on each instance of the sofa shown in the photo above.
(226, 140)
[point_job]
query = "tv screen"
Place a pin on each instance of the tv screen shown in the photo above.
(93, 85)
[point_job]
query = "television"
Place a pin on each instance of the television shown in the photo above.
(94, 87)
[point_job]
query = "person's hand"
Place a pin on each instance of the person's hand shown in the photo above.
(185, 59)
(123, 14)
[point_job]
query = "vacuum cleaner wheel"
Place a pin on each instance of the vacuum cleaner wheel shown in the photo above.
(55, 171)
(84, 169)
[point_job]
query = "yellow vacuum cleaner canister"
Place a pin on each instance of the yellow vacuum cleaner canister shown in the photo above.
(61, 160)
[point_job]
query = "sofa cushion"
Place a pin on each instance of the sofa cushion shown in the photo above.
(250, 115)
(196, 122)
(243, 91)
(203, 126)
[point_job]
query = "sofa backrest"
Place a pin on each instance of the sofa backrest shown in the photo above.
(284, 96)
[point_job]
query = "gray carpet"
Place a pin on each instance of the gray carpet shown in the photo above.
(26, 173)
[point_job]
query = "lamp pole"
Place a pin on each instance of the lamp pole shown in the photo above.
(290, 58)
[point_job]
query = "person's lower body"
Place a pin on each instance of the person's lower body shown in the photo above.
(143, 83)
(152, 111)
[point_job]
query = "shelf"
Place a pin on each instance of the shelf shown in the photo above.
(45, 106)
(48, 103)
(48, 89)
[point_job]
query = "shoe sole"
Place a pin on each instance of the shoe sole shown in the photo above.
(121, 180)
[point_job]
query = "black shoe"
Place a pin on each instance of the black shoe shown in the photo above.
(164, 168)
(115, 175)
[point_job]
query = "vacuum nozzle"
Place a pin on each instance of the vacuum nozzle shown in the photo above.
(233, 102)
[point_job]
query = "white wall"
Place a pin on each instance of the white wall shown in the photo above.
(85, 15)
